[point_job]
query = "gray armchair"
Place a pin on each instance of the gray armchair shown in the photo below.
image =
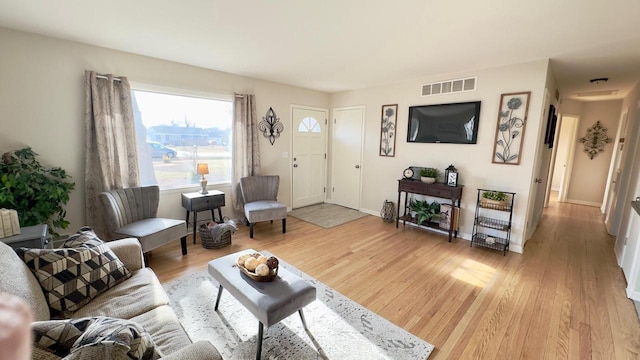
(260, 195)
(132, 212)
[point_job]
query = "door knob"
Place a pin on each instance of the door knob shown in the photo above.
(295, 165)
(357, 166)
(539, 181)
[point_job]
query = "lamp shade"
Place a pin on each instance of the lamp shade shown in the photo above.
(203, 169)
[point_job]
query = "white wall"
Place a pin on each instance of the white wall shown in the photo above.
(589, 176)
(472, 161)
(42, 105)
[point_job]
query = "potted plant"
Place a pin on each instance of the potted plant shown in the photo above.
(37, 193)
(493, 198)
(424, 210)
(428, 175)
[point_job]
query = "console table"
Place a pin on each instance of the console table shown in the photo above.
(196, 201)
(443, 191)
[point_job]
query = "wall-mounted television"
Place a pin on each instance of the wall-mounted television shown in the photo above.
(444, 123)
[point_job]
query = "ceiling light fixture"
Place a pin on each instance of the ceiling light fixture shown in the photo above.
(599, 80)
(597, 93)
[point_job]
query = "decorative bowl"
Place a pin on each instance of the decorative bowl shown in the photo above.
(273, 273)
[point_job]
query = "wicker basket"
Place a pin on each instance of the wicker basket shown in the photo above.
(208, 242)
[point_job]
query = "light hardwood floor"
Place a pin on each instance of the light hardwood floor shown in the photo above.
(563, 299)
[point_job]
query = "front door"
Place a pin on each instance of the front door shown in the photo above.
(309, 155)
(347, 156)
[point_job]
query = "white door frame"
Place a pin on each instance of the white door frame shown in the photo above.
(326, 146)
(614, 171)
(333, 129)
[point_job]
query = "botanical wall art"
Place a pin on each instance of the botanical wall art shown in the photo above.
(595, 140)
(388, 130)
(512, 119)
(271, 126)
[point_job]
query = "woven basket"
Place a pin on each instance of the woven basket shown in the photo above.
(208, 242)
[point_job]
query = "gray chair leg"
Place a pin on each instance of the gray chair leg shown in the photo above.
(284, 226)
(251, 230)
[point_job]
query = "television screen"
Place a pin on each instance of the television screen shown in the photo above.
(444, 123)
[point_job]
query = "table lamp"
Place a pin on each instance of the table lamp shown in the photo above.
(203, 169)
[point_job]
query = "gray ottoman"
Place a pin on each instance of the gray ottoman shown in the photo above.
(269, 302)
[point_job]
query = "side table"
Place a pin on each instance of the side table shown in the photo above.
(34, 237)
(196, 201)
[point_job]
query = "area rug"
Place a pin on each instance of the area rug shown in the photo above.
(338, 327)
(326, 215)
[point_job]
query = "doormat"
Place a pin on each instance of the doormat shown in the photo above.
(326, 215)
(339, 328)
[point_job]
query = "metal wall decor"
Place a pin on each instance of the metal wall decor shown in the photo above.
(271, 126)
(512, 120)
(388, 130)
(595, 140)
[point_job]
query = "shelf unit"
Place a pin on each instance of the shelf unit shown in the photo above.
(443, 191)
(492, 222)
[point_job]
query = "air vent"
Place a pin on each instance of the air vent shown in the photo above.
(450, 86)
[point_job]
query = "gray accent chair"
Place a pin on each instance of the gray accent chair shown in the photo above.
(260, 195)
(132, 212)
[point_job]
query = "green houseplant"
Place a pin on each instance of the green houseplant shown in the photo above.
(424, 210)
(428, 175)
(37, 193)
(494, 195)
(494, 198)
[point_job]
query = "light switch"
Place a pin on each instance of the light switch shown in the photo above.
(285, 155)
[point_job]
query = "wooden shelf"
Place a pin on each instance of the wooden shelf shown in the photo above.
(452, 193)
(425, 224)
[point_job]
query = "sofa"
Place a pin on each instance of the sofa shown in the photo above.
(139, 298)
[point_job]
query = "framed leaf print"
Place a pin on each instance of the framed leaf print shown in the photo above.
(512, 120)
(388, 130)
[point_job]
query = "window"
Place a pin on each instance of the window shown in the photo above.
(309, 124)
(177, 132)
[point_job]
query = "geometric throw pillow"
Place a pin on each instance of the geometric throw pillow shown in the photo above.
(94, 338)
(84, 237)
(58, 336)
(109, 338)
(70, 278)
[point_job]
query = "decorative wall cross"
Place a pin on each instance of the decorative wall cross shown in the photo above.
(595, 140)
(271, 126)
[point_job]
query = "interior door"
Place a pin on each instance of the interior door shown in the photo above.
(309, 156)
(347, 156)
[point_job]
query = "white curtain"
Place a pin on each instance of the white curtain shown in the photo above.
(246, 152)
(111, 160)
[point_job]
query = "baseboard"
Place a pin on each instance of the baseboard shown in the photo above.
(633, 294)
(581, 202)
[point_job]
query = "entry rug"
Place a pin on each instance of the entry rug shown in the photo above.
(340, 327)
(326, 215)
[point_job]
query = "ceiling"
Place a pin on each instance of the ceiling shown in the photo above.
(336, 45)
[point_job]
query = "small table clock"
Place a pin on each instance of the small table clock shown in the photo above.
(408, 173)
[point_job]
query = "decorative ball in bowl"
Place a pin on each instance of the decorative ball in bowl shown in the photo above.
(258, 267)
